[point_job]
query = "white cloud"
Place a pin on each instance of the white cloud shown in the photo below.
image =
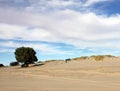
(6, 50)
(40, 5)
(91, 2)
(59, 3)
(62, 26)
(43, 48)
(68, 26)
(8, 31)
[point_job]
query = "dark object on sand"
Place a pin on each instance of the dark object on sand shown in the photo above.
(1, 65)
(66, 60)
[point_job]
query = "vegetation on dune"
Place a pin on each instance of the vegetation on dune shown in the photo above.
(47, 61)
(25, 55)
(14, 63)
(81, 58)
(108, 55)
(1, 65)
(100, 57)
(95, 57)
(68, 59)
(39, 62)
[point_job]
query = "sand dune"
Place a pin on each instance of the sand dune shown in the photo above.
(76, 75)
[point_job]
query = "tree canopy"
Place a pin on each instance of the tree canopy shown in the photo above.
(25, 55)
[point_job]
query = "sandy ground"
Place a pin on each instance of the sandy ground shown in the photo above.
(80, 75)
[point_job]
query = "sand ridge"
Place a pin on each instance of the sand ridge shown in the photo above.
(77, 75)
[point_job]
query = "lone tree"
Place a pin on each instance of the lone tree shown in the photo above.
(25, 55)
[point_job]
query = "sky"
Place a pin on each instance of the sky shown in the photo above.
(59, 29)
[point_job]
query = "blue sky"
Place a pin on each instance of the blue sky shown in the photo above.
(59, 29)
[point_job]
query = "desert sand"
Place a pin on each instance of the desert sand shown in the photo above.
(76, 75)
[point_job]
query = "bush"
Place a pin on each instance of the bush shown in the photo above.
(84, 57)
(99, 57)
(109, 56)
(81, 58)
(14, 64)
(39, 62)
(24, 65)
(1, 65)
(66, 60)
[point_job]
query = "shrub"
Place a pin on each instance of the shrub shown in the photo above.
(84, 57)
(109, 56)
(98, 57)
(76, 58)
(24, 65)
(81, 58)
(39, 62)
(14, 64)
(68, 59)
(1, 65)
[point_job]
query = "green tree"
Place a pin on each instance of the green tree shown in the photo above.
(25, 55)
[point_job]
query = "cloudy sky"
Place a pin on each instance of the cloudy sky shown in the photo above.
(59, 29)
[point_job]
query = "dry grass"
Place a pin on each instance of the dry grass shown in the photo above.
(81, 58)
(98, 57)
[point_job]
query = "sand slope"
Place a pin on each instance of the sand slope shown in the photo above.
(80, 75)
